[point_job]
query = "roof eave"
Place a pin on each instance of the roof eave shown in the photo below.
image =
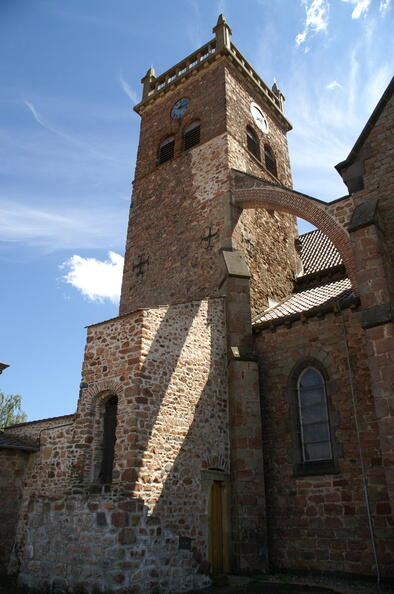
(331, 306)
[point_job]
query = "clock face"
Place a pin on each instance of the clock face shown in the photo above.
(180, 108)
(259, 117)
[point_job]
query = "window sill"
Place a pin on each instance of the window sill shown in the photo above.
(316, 468)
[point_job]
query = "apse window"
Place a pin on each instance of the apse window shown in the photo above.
(313, 416)
(191, 136)
(270, 161)
(166, 149)
(109, 439)
(252, 142)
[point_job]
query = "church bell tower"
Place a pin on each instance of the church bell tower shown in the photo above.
(208, 115)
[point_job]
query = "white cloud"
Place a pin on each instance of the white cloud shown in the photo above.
(316, 19)
(384, 6)
(63, 228)
(360, 7)
(333, 85)
(95, 279)
(130, 92)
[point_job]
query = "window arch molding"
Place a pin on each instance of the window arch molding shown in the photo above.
(328, 464)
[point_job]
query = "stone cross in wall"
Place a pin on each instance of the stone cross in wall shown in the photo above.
(208, 237)
(140, 265)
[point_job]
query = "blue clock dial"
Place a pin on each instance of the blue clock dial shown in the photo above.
(180, 108)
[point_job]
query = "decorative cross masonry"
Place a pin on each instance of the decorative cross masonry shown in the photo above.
(208, 237)
(140, 265)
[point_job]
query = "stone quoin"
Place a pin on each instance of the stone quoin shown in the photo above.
(237, 416)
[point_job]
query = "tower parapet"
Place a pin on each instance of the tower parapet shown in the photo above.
(220, 45)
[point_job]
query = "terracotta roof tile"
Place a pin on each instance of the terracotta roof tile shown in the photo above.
(318, 252)
(308, 299)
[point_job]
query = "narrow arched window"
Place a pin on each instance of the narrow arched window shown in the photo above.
(313, 416)
(191, 135)
(270, 161)
(166, 149)
(252, 142)
(109, 439)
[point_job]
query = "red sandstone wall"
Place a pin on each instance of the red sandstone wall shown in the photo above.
(266, 238)
(168, 368)
(48, 470)
(12, 469)
(379, 172)
(320, 522)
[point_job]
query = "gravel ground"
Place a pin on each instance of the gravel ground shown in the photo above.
(289, 584)
(268, 584)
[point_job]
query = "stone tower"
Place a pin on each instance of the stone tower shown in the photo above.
(182, 217)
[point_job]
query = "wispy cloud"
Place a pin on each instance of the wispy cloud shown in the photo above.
(333, 85)
(66, 228)
(316, 19)
(82, 144)
(360, 7)
(97, 280)
(194, 25)
(327, 124)
(130, 92)
(384, 6)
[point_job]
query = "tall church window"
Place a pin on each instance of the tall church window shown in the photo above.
(109, 439)
(270, 161)
(253, 142)
(166, 149)
(191, 136)
(313, 416)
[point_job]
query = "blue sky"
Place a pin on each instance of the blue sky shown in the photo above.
(70, 74)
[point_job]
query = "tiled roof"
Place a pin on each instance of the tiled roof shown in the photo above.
(308, 299)
(318, 252)
(10, 442)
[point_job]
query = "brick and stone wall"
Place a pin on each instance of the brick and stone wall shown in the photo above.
(51, 465)
(265, 238)
(12, 469)
(320, 522)
(150, 526)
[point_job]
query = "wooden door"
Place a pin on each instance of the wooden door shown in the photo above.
(216, 540)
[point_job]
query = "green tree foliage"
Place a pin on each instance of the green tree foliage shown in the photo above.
(10, 410)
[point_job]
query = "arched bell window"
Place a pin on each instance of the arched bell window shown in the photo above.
(191, 135)
(313, 417)
(166, 149)
(109, 439)
(270, 161)
(252, 142)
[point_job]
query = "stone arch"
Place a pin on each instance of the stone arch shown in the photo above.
(95, 398)
(254, 192)
(100, 390)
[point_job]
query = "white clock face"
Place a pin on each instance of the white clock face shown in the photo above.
(259, 117)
